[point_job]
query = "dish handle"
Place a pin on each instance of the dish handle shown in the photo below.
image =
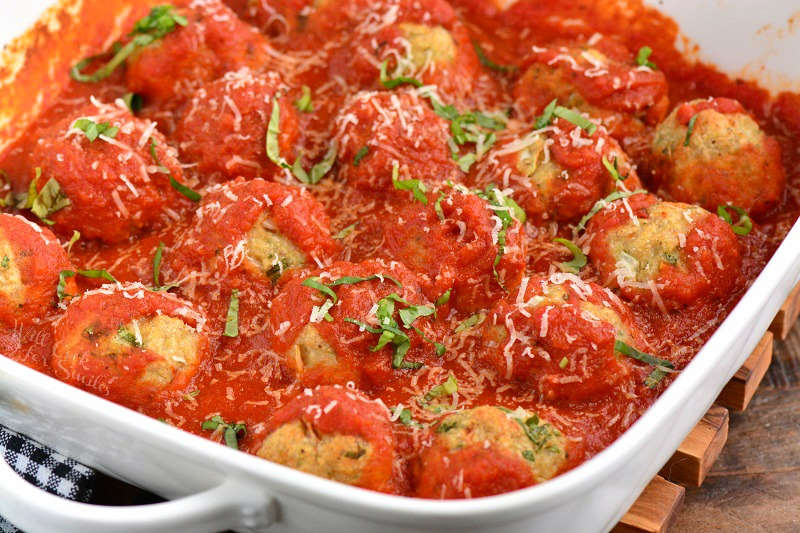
(229, 505)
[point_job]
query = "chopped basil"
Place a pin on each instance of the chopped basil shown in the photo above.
(578, 257)
(178, 186)
(507, 210)
(443, 299)
(563, 363)
(318, 171)
(465, 161)
(661, 366)
(5, 262)
(391, 83)
(126, 336)
(643, 57)
(413, 312)
(304, 104)
(689, 130)
(273, 130)
(546, 117)
(613, 169)
(488, 63)
(743, 226)
(600, 204)
(405, 417)
(93, 130)
(449, 387)
(350, 280)
(157, 266)
(471, 322)
(94, 274)
(529, 455)
(576, 118)
(316, 283)
(159, 22)
(48, 200)
(363, 151)
(76, 235)
(232, 318)
(133, 101)
(437, 206)
(230, 432)
(416, 187)
(346, 231)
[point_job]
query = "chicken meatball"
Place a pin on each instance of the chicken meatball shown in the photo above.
(275, 18)
(109, 186)
(31, 259)
(471, 243)
(380, 131)
(557, 336)
(600, 78)
(557, 172)
(128, 344)
(363, 322)
(665, 254)
(711, 152)
(489, 450)
(255, 227)
(435, 52)
(335, 433)
(224, 125)
(213, 41)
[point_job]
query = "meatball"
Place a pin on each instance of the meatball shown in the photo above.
(725, 158)
(457, 240)
(557, 336)
(275, 18)
(114, 188)
(599, 77)
(213, 42)
(434, 52)
(31, 259)
(255, 227)
(359, 335)
(665, 254)
(224, 126)
(335, 433)
(128, 344)
(489, 450)
(337, 19)
(377, 131)
(558, 172)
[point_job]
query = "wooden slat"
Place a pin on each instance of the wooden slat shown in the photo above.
(655, 510)
(740, 390)
(787, 315)
(697, 453)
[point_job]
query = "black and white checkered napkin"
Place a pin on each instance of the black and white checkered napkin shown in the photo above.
(45, 468)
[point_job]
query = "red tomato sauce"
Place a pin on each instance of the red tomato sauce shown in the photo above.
(211, 118)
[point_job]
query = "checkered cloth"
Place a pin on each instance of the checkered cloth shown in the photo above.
(45, 468)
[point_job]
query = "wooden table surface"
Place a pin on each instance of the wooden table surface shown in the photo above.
(755, 483)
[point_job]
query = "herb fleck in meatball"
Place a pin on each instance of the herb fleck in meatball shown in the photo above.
(711, 153)
(489, 450)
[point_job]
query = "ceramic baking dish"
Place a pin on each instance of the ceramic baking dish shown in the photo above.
(215, 488)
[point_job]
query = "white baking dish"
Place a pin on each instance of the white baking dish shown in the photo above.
(216, 488)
